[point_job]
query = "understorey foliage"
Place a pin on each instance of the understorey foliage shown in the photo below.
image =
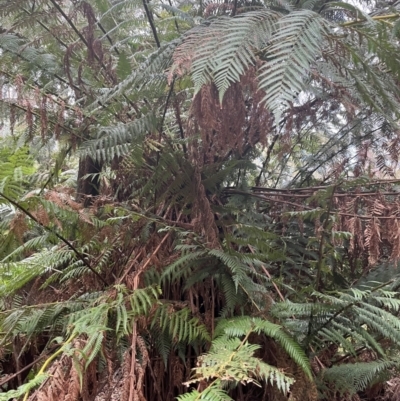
(199, 200)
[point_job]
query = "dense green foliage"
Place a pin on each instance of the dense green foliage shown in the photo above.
(199, 200)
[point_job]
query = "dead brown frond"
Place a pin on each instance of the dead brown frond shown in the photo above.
(372, 218)
(42, 216)
(392, 390)
(19, 226)
(63, 199)
(233, 126)
(67, 381)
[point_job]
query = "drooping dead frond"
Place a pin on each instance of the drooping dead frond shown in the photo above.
(233, 126)
(67, 381)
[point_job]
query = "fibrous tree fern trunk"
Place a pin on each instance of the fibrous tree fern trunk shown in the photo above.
(88, 180)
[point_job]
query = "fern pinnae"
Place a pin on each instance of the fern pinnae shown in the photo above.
(231, 359)
(241, 325)
(371, 341)
(179, 15)
(388, 302)
(28, 272)
(117, 140)
(199, 275)
(9, 322)
(142, 300)
(378, 325)
(349, 332)
(293, 48)
(210, 393)
(163, 343)
(336, 337)
(33, 244)
(92, 347)
(233, 296)
(235, 265)
(31, 384)
(157, 61)
(236, 52)
(356, 377)
(122, 327)
(182, 266)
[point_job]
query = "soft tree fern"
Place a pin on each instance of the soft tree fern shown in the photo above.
(225, 230)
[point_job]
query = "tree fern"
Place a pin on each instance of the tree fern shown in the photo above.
(214, 209)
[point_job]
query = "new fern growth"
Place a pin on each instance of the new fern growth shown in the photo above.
(231, 359)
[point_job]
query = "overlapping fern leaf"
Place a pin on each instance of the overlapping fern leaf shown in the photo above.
(296, 52)
(351, 378)
(289, 54)
(166, 256)
(231, 359)
(351, 321)
(224, 49)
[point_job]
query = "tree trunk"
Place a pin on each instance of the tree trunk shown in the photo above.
(88, 180)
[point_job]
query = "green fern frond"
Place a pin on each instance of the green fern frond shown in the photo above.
(233, 296)
(336, 337)
(163, 343)
(233, 262)
(224, 50)
(369, 339)
(356, 377)
(116, 141)
(142, 300)
(24, 272)
(180, 325)
(146, 73)
(240, 326)
(93, 347)
(231, 358)
(350, 320)
(211, 393)
(31, 384)
(293, 47)
(36, 244)
(182, 267)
